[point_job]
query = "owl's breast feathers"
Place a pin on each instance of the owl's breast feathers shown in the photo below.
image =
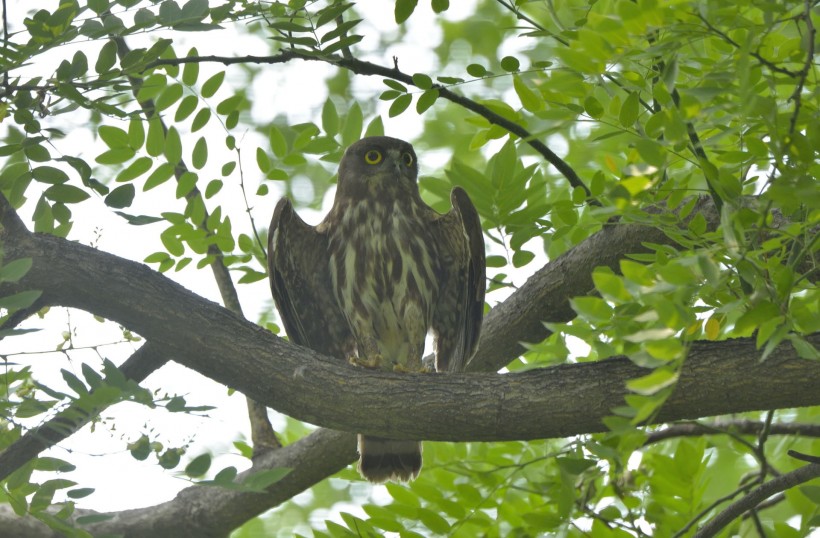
(383, 266)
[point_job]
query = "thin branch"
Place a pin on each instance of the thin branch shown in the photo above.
(717, 502)
(137, 367)
(803, 74)
(742, 427)
(367, 68)
(262, 432)
(772, 66)
(757, 496)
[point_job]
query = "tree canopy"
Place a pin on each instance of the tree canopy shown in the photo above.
(646, 173)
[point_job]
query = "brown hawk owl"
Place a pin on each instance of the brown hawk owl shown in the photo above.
(376, 275)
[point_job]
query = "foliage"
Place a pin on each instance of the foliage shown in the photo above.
(650, 105)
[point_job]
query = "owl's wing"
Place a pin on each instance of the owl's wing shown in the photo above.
(460, 308)
(299, 273)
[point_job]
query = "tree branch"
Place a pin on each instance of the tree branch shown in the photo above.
(718, 377)
(757, 496)
(213, 512)
(361, 67)
(262, 434)
(738, 427)
(137, 367)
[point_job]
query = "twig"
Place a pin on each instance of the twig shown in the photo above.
(774, 67)
(262, 432)
(741, 427)
(717, 502)
(361, 67)
(757, 496)
(804, 72)
(137, 367)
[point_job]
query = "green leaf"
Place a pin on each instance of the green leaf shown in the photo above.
(53, 464)
(201, 119)
(67, 194)
(79, 493)
(262, 480)
(155, 142)
(200, 154)
(136, 133)
(593, 107)
(114, 137)
(134, 170)
(121, 197)
(651, 151)
(433, 521)
(278, 144)
(510, 64)
(592, 308)
(17, 301)
(190, 71)
(476, 70)
(49, 174)
(213, 187)
(574, 466)
(400, 105)
(168, 97)
(107, 58)
(422, 81)
(330, 118)
(629, 110)
(198, 466)
(211, 85)
(160, 175)
(74, 383)
(352, 129)
(173, 146)
(115, 156)
(225, 476)
(15, 270)
(186, 108)
(529, 99)
(262, 160)
(403, 10)
(426, 100)
(172, 243)
(375, 127)
(186, 184)
(138, 220)
(652, 383)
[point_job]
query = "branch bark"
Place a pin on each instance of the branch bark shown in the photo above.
(720, 377)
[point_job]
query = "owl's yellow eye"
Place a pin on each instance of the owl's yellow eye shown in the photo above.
(408, 159)
(373, 157)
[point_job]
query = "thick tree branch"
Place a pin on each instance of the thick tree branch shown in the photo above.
(718, 378)
(213, 512)
(256, 356)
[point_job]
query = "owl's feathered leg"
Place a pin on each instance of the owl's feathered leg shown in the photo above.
(388, 459)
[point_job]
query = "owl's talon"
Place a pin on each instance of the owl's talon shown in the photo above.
(374, 361)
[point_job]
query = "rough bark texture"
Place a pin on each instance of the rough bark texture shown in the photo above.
(719, 377)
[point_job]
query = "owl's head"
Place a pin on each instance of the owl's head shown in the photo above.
(379, 162)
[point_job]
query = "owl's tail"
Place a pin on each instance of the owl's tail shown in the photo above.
(388, 459)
